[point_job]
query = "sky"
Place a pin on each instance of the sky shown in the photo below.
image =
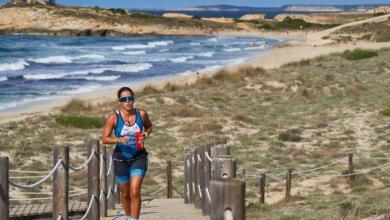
(174, 4)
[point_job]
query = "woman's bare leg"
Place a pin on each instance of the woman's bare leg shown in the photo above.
(125, 197)
(135, 195)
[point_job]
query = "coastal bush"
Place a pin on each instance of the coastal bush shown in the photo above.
(385, 112)
(79, 121)
(359, 54)
(76, 105)
(289, 23)
(291, 136)
(118, 11)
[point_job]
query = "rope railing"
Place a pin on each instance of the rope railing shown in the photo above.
(89, 207)
(228, 214)
(109, 167)
(29, 186)
(82, 166)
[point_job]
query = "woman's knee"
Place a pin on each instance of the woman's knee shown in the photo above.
(135, 192)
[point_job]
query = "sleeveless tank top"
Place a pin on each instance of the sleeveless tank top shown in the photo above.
(129, 149)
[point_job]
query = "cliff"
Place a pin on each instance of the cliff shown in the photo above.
(43, 19)
(252, 17)
(326, 18)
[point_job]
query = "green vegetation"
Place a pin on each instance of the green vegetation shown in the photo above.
(82, 122)
(385, 112)
(359, 54)
(289, 24)
(375, 31)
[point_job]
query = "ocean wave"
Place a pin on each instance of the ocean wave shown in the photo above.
(194, 43)
(3, 78)
(232, 49)
(18, 65)
(214, 39)
(137, 52)
(263, 46)
(132, 46)
(10, 105)
(164, 50)
(41, 76)
(65, 59)
(160, 43)
(206, 54)
(131, 68)
(181, 59)
(102, 78)
(82, 89)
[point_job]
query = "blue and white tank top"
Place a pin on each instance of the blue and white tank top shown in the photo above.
(129, 149)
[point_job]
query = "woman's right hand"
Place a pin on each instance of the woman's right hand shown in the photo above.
(123, 139)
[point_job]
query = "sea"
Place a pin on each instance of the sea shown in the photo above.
(39, 68)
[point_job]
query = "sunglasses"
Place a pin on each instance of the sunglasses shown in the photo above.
(126, 99)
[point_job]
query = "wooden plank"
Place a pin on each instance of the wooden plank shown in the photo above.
(93, 179)
(4, 188)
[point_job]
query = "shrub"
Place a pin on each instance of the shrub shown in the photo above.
(385, 112)
(359, 54)
(79, 121)
(290, 136)
(76, 105)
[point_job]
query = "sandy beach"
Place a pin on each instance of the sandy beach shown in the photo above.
(296, 46)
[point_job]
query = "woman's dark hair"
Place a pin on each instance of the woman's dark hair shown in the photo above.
(124, 89)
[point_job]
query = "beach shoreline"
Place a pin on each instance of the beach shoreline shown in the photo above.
(297, 49)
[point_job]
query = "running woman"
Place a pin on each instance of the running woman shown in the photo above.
(131, 127)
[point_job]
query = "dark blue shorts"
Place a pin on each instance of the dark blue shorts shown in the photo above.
(124, 170)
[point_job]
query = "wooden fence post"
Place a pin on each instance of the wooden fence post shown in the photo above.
(61, 183)
(224, 167)
(262, 188)
(93, 179)
(350, 166)
(242, 173)
(227, 194)
(288, 185)
(103, 181)
(193, 176)
(117, 194)
(220, 150)
(187, 176)
(110, 182)
(4, 188)
(169, 179)
(198, 182)
(206, 181)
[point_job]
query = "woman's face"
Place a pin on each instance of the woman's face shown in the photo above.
(128, 104)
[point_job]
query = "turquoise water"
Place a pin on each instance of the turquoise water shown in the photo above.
(34, 68)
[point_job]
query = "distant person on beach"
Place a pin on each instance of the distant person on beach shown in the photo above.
(197, 77)
(131, 127)
(253, 43)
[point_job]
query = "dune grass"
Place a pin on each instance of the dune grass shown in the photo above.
(359, 54)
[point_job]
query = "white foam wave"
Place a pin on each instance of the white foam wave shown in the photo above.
(10, 105)
(164, 50)
(18, 65)
(137, 52)
(83, 89)
(65, 59)
(194, 43)
(45, 76)
(132, 46)
(2, 78)
(102, 78)
(263, 46)
(232, 49)
(181, 59)
(160, 43)
(214, 39)
(206, 54)
(131, 68)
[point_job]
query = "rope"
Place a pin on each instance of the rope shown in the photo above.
(89, 208)
(157, 191)
(321, 167)
(208, 156)
(30, 199)
(77, 194)
(179, 169)
(59, 162)
(157, 167)
(83, 166)
(109, 192)
(188, 163)
(101, 166)
(25, 177)
(228, 214)
(181, 194)
(200, 191)
(26, 171)
(208, 194)
(109, 167)
(199, 159)
(101, 195)
(188, 191)
(59, 217)
(362, 171)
